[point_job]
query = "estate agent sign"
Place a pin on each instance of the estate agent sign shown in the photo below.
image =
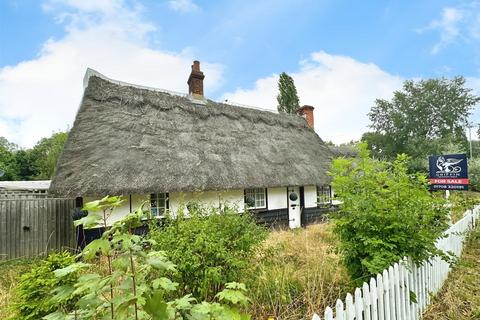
(448, 172)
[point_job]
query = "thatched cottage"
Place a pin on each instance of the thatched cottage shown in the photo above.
(169, 149)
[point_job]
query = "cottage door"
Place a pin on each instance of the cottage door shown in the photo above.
(294, 210)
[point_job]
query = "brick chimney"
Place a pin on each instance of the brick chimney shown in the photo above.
(306, 112)
(195, 81)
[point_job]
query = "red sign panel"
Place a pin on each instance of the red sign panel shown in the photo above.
(449, 181)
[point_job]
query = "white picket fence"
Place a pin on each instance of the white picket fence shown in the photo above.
(388, 296)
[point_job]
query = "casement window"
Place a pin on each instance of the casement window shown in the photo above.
(158, 203)
(324, 195)
(255, 198)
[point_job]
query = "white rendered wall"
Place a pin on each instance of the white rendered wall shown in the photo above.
(277, 198)
(310, 194)
(233, 198)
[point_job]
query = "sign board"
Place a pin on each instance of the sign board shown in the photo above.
(448, 172)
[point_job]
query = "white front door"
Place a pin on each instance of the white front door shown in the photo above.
(294, 210)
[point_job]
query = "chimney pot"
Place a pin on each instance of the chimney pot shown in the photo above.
(195, 81)
(306, 112)
(196, 66)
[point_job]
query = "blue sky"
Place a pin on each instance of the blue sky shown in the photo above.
(342, 54)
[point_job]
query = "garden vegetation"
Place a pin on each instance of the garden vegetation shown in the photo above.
(386, 214)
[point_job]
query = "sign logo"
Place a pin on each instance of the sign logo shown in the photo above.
(448, 172)
(448, 165)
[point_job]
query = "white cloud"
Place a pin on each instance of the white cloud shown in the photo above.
(460, 23)
(42, 95)
(448, 26)
(341, 89)
(183, 5)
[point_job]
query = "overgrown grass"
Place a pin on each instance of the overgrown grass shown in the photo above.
(460, 296)
(462, 201)
(10, 272)
(296, 273)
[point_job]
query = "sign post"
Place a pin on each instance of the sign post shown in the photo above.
(448, 172)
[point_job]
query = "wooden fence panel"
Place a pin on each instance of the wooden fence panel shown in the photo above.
(33, 226)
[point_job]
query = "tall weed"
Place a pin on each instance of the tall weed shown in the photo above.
(296, 273)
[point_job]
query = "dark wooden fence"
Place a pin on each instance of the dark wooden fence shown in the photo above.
(31, 227)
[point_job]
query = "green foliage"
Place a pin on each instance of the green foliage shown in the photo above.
(208, 247)
(287, 99)
(7, 159)
(474, 173)
(35, 286)
(46, 152)
(421, 119)
(31, 164)
(386, 214)
(134, 284)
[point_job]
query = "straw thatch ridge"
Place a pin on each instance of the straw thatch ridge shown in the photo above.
(129, 140)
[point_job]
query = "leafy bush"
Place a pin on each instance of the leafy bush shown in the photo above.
(132, 282)
(474, 173)
(208, 247)
(35, 286)
(386, 214)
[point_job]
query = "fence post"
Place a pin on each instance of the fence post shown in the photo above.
(381, 308)
(350, 309)
(391, 296)
(374, 301)
(328, 313)
(367, 301)
(386, 295)
(398, 300)
(358, 304)
(339, 310)
(406, 288)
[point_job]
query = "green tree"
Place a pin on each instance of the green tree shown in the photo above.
(8, 164)
(421, 119)
(385, 215)
(26, 167)
(46, 152)
(287, 99)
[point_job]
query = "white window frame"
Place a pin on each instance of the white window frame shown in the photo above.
(260, 196)
(324, 193)
(162, 204)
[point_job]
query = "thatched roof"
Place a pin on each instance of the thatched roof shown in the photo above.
(127, 140)
(345, 150)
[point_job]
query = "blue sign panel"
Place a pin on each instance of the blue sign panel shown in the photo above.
(448, 172)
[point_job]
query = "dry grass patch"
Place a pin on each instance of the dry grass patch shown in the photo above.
(10, 272)
(460, 295)
(297, 273)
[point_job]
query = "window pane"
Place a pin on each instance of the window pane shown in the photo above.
(257, 195)
(323, 194)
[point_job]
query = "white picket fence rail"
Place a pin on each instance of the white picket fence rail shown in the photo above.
(388, 295)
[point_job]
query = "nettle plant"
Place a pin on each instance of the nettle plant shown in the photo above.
(120, 276)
